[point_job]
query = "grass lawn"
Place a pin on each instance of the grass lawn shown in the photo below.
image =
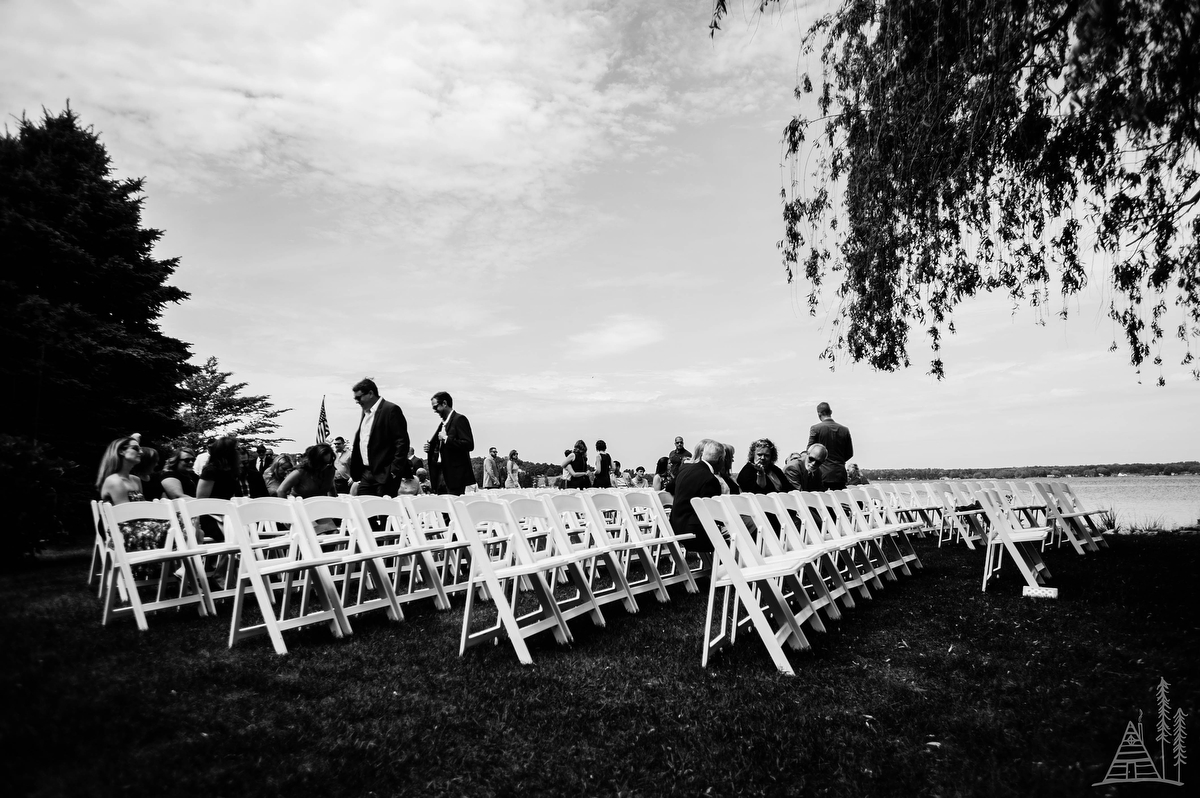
(931, 688)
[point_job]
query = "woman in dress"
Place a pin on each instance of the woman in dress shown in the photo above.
(277, 472)
(661, 472)
(514, 471)
(575, 468)
(314, 475)
(604, 465)
(117, 484)
(178, 481)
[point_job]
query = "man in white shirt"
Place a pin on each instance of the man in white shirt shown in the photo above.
(341, 465)
(379, 456)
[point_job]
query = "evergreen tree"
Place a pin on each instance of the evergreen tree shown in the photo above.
(214, 406)
(82, 357)
(1177, 746)
(1163, 729)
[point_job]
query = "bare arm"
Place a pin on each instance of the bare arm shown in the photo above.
(204, 489)
(173, 488)
(288, 483)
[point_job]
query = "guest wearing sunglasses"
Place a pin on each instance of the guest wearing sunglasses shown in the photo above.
(178, 480)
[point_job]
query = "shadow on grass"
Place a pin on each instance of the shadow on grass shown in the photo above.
(930, 688)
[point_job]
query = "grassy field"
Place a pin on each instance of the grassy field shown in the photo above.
(931, 688)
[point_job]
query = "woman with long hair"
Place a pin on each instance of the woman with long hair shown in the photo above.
(117, 484)
(514, 471)
(115, 481)
(314, 475)
(604, 466)
(147, 471)
(575, 467)
(277, 472)
(661, 472)
(178, 481)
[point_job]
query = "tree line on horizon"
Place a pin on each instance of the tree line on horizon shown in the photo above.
(1035, 472)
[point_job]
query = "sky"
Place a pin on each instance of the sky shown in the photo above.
(564, 214)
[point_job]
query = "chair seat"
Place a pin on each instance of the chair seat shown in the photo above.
(270, 568)
(1035, 534)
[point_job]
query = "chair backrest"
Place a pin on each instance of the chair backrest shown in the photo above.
(431, 517)
(115, 515)
(647, 515)
(191, 510)
(500, 525)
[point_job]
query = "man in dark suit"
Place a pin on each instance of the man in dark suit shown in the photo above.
(696, 480)
(262, 459)
(379, 459)
(836, 440)
(250, 480)
(450, 448)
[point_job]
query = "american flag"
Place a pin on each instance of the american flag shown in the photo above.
(322, 425)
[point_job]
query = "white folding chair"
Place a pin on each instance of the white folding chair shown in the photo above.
(415, 572)
(652, 527)
(100, 551)
(220, 555)
(361, 565)
(1005, 534)
(1065, 520)
(745, 583)
(583, 529)
(843, 548)
(868, 541)
(263, 576)
(502, 578)
(176, 581)
(892, 536)
(800, 531)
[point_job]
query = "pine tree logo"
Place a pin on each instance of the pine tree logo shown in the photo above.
(1133, 762)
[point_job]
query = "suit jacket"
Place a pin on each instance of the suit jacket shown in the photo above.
(387, 450)
(693, 480)
(836, 438)
(451, 460)
(802, 479)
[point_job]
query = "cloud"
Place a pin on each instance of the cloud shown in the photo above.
(616, 335)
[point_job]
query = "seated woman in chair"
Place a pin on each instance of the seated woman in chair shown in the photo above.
(760, 474)
(178, 481)
(314, 475)
(117, 484)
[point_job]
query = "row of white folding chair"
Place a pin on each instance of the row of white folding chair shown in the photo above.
(904, 503)
(808, 551)
(1008, 534)
(1069, 520)
(137, 582)
(575, 533)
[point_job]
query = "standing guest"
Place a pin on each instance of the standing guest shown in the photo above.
(178, 481)
(417, 462)
(280, 467)
(604, 466)
(575, 467)
(760, 474)
(202, 457)
(661, 475)
(261, 460)
(513, 469)
(450, 448)
(854, 476)
(379, 456)
(836, 440)
(678, 456)
(341, 465)
(251, 482)
(147, 471)
(492, 468)
(696, 480)
(314, 475)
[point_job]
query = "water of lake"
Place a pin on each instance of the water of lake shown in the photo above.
(1169, 502)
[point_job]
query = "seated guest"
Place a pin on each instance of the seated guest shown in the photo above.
(792, 468)
(760, 474)
(178, 480)
(696, 480)
(661, 476)
(147, 471)
(726, 472)
(854, 476)
(423, 479)
(810, 473)
(249, 478)
(278, 471)
(314, 475)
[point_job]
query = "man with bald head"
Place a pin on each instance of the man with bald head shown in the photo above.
(840, 448)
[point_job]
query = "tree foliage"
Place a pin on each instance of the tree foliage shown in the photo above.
(214, 406)
(82, 357)
(997, 145)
